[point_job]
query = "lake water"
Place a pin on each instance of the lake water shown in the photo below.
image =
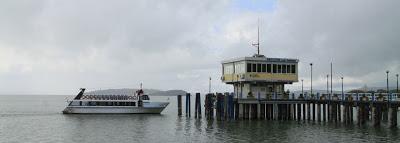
(39, 119)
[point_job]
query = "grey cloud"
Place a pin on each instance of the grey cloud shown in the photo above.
(59, 46)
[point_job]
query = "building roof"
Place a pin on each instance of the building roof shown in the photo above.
(260, 58)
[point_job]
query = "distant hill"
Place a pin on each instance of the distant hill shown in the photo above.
(375, 88)
(130, 91)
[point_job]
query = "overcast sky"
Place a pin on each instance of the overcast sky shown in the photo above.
(58, 46)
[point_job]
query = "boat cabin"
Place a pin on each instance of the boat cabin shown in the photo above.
(109, 100)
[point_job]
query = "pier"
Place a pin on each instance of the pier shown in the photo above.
(259, 94)
(350, 110)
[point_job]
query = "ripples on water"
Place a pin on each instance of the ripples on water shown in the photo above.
(39, 119)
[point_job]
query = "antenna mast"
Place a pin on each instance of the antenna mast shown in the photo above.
(258, 39)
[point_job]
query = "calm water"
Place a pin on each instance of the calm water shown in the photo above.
(39, 119)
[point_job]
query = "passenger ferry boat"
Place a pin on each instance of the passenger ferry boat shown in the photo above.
(138, 103)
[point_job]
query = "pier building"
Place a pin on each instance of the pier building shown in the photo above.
(259, 77)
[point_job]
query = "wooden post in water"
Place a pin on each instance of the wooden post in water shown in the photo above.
(329, 110)
(271, 111)
(241, 111)
(249, 111)
(236, 110)
(226, 105)
(335, 104)
(218, 107)
(275, 110)
(262, 111)
(313, 110)
(308, 111)
(279, 111)
(360, 114)
(245, 111)
(340, 111)
(179, 105)
(318, 112)
(258, 110)
(323, 102)
(294, 111)
(187, 104)
(267, 111)
(304, 111)
(209, 103)
(377, 109)
(351, 112)
(289, 109)
(324, 111)
(298, 111)
(393, 115)
(231, 107)
(345, 112)
(197, 106)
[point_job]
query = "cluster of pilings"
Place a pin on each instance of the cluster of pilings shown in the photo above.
(320, 109)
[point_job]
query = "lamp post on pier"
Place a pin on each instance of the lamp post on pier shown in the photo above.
(302, 91)
(342, 88)
(397, 89)
(327, 84)
(387, 84)
(330, 96)
(209, 85)
(311, 64)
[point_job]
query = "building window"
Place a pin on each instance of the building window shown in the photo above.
(288, 69)
(279, 68)
(258, 67)
(264, 68)
(239, 67)
(274, 68)
(283, 68)
(254, 66)
(269, 68)
(248, 67)
(228, 69)
(293, 68)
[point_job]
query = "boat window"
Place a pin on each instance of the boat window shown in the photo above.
(248, 67)
(293, 68)
(258, 67)
(145, 97)
(283, 68)
(254, 66)
(264, 69)
(274, 68)
(269, 68)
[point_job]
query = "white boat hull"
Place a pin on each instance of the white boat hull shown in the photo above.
(146, 109)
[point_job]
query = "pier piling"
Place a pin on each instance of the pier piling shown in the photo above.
(179, 105)
(227, 107)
